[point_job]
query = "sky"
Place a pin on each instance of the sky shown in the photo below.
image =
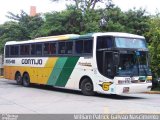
(15, 6)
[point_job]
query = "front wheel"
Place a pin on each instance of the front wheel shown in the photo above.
(26, 80)
(87, 87)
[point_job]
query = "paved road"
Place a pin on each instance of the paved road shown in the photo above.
(18, 99)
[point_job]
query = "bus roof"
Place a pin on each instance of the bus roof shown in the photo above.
(48, 38)
(75, 36)
(119, 34)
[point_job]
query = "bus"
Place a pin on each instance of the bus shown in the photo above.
(107, 63)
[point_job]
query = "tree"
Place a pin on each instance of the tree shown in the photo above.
(29, 24)
(137, 21)
(64, 22)
(133, 21)
(23, 27)
(85, 5)
(70, 21)
(154, 44)
(10, 31)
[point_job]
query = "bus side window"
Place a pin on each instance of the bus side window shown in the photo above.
(52, 48)
(36, 49)
(39, 49)
(61, 48)
(79, 47)
(88, 46)
(14, 50)
(49, 48)
(104, 42)
(69, 47)
(24, 49)
(46, 48)
(7, 51)
(33, 49)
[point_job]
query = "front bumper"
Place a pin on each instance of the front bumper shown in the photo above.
(132, 88)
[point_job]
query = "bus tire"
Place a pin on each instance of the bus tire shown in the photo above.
(26, 80)
(18, 78)
(87, 87)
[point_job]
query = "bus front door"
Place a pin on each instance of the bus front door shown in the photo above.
(108, 64)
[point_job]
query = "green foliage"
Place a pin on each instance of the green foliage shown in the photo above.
(132, 21)
(137, 21)
(90, 22)
(29, 25)
(154, 42)
(87, 5)
(23, 27)
(10, 31)
(73, 20)
(64, 22)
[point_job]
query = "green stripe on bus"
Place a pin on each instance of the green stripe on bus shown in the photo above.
(66, 71)
(56, 70)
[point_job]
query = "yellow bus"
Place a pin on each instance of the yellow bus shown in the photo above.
(109, 63)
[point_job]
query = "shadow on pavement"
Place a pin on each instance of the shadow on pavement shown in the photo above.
(118, 97)
(68, 91)
(109, 96)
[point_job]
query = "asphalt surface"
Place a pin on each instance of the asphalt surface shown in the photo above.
(15, 99)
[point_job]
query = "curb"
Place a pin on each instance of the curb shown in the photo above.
(1, 76)
(153, 92)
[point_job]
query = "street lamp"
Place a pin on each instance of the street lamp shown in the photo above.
(109, 4)
(103, 21)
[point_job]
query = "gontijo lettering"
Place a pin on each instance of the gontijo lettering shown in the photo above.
(32, 61)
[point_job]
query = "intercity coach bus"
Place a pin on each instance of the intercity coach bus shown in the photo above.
(109, 63)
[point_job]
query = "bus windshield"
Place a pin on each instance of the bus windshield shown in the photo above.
(134, 64)
(122, 42)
